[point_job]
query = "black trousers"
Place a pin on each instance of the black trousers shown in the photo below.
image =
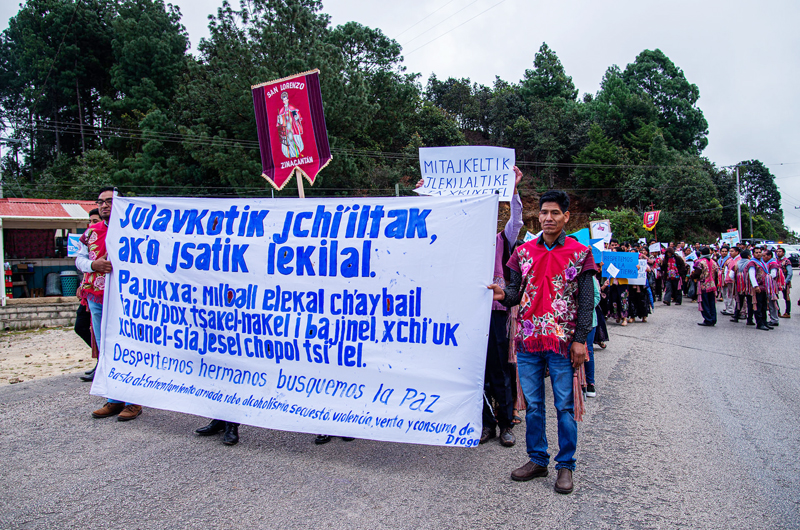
(674, 292)
(744, 302)
(708, 302)
(761, 308)
(498, 383)
(788, 300)
(83, 324)
(638, 302)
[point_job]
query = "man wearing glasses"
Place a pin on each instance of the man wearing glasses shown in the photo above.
(91, 260)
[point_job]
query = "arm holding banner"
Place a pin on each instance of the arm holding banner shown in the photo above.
(514, 223)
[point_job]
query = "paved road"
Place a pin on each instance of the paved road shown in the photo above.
(692, 428)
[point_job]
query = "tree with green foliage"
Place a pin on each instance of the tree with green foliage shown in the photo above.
(759, 190)
(683, 125)
(548, 80)
(626, 224)
(596, 172)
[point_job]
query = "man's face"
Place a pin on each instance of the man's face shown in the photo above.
(285, 99)
(104, 205)
(94, 219)
(613, 245)
(552, 219)
(757, 253)
(781, 253)
(723, 252)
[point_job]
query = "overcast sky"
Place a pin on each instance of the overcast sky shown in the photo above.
(744, 56)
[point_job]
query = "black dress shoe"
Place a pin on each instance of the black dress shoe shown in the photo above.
(231, 436)
(764, 328)
(734, 319)
(91, 372)
(705, 324)
(347, 439)
(214, 427)
(88, 378)
(322, 439)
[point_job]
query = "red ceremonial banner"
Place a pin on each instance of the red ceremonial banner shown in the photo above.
(291, 128)
(651, 220)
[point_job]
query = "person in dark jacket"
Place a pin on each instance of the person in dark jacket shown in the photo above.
(673, 268)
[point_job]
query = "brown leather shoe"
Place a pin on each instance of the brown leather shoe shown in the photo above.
(129, 413)
(528, 471)
(109, 409)
(785, 315)
(487, 434)
(564, 481)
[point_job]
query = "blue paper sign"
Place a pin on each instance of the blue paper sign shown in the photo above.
(582, 236)
(72, 244)
(597, 247)
(620, 264)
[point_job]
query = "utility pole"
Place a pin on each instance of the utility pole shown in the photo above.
(739, 205)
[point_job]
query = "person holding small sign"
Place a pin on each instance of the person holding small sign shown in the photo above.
(551, 280)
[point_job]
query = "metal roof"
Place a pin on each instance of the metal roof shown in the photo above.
(11, 208)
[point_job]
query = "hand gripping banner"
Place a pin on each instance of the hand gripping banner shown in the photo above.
(291, 128)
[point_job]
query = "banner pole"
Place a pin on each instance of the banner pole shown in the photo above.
(300, 191)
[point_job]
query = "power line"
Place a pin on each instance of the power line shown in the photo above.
(137, 134)
(424, 19)
(455, 28)
(440, 22)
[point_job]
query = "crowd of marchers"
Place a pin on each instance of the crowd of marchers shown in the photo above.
(550, 308)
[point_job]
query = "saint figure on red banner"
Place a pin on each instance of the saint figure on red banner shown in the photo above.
(291, 136)
(290, 129)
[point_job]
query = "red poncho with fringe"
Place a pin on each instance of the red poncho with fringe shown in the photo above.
(548, 310)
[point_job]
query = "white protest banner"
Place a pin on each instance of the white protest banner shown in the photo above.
(655, 247)
(641, 279)
(467, 170)
(600, 229)
(731, 238)
(350, 317)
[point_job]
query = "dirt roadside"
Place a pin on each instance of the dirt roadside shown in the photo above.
(33, 354)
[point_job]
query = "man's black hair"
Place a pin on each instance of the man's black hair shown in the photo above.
(613, 240)
(557, 196)
(745, 253)
(767, 251)
(105, 189)
(94, 211)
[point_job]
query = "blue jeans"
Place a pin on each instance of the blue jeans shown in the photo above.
(96, 309)
(589, 364)
(531, 376)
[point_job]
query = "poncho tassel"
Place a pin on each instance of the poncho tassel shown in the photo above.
(578, 386)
